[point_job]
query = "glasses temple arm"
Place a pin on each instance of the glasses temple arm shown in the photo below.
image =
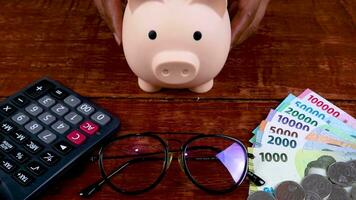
(258, 181)
(89, 190)
(95, 157)
(86, 192)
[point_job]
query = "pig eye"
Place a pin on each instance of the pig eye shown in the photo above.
(197, 35)
(152, 35)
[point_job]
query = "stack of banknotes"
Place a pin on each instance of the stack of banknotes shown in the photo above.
(304, 141)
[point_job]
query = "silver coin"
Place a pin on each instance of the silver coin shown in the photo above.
(312, 164)
(289, 190)
(315, 163)
(306, 171)
(338, 193)
(310, 195)
(260, 195)
(352, 163)
(353, 192)
(341, 174)
(325, 161)
(318, 184)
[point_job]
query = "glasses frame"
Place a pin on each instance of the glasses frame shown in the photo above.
(195, 182)
(168, 156)
(154, 184)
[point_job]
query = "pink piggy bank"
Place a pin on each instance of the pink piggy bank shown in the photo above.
(176, 43)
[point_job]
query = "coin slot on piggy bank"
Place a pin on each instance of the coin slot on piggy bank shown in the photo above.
(176, 43)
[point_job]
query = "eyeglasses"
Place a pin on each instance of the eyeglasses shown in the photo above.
(136, 163)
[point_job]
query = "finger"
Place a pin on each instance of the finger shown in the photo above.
(116, 6)
(100, 5)
(233, 6)
(244, 17)
(112, 13)
(255, 23)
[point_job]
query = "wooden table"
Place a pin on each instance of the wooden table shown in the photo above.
(301, 44)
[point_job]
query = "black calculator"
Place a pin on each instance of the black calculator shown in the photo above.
(44, 130)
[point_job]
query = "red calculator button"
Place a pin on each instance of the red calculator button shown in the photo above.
(76, 137)
(89, 127)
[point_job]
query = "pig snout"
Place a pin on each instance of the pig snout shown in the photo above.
(175, 67)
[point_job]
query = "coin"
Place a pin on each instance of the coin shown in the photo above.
(315, 167)
(353, 192)
(338, 193)
(310, 195)
(319, 166)
(352, 163)
(341, 174)
(289, 190)
(306, 171)
(318, 184)
(314, 170)
(260, 195)
(315, 163)
(326, 161)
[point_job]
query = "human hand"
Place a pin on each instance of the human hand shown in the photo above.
(112, 13)
(246, 16)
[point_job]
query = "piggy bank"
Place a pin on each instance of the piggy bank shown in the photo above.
(176, 43)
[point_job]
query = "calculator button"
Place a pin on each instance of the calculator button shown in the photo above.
(36, 168)
(89, 127)
(32, 146)
(7, 127)
(85, 109)
(47, 136)
(6, 146)
(73, 118)
(20, 118)
(60, 127)
(49, 158)
(34, 127)
(72, 101)
(46, 101)
(34, 109)
(19, 136)
(7, 109)
(7, 165)
(47, 118)
(19, 156)
(76, 137)
(100, 118)
(20, 101)
(63, 147)
(23, 177)
(59, 93)
(39, 89)
(59, 109)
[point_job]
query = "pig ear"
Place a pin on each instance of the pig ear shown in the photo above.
(134, 4)
(219, 6)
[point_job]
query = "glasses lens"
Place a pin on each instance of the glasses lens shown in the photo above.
(216, 163)
(139, 161)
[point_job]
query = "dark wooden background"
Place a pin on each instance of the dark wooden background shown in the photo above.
(300, 44)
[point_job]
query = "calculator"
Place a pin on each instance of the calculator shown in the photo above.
(44, 130)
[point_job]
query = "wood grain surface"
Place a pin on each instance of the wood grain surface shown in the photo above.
(300, 44)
